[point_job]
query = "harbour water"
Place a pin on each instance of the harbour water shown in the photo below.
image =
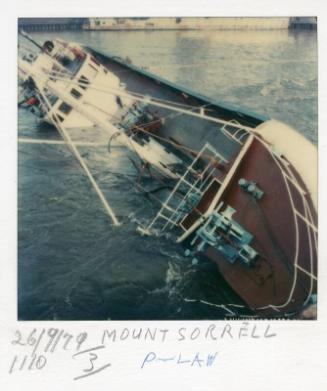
(72, 263)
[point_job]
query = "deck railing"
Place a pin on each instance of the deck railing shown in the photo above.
(189, 189)
(236, 134)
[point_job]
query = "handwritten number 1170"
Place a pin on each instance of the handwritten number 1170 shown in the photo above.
(27, 362)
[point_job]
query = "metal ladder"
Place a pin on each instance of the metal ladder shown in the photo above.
(193, 184)
(235, 134)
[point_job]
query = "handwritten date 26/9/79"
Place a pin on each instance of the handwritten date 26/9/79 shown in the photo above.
(49, 340)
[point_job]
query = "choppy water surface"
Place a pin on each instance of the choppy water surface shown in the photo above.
(73, 264)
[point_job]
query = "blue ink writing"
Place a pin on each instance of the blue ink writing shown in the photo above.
(195, 360)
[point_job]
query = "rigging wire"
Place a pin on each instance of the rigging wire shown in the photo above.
(75, 151)
(164, 139)
(169, 105)
(58, 76)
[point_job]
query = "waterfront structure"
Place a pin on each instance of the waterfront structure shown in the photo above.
(171, 23)
(303, 23)
(187, 23)
(51, 24)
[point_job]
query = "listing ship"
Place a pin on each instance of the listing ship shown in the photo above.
(244, 191)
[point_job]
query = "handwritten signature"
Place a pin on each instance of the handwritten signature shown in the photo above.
(196, 360)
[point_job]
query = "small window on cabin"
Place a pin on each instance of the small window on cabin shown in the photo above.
(119, 101)
(65, 108)
(75, 93)
(95, 60)
(55, 117)
(83, 82)
(52, 99)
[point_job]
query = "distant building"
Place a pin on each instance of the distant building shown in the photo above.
(188, 23)
(303, 23)
(171, 23)
(48, 24)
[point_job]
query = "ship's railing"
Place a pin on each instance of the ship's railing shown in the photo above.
(236, 134)
(189, 189)
(302, 213)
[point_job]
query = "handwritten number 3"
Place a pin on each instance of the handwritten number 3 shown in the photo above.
(92, 358)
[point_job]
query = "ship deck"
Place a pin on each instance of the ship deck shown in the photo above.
(283, 227)
(192, 133)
